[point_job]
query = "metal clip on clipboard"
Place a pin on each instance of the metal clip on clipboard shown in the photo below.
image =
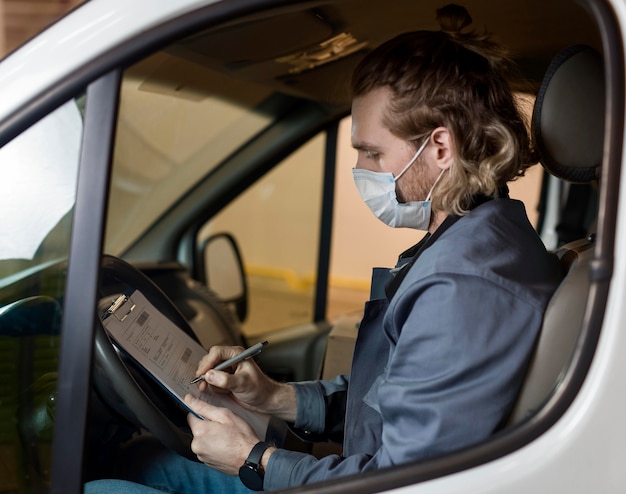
(117, 304)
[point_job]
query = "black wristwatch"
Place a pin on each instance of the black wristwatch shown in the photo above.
(251, 472)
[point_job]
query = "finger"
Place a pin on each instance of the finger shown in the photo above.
(195, 416)
(234, 382)
(216, 355)
(198, 406)
(208, 411)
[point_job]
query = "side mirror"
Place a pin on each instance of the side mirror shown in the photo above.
(222, 269)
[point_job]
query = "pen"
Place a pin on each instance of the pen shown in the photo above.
(246, 354)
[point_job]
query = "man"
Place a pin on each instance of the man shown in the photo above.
(445, 340)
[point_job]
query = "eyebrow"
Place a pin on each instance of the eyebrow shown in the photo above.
(364, 146)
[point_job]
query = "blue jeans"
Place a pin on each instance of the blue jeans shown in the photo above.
(149, 468)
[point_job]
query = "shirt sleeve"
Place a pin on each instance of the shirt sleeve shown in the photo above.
(321, 409)
(291, 468)
(452, 375)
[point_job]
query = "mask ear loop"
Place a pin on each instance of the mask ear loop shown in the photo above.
(433, 187)
(415, 156)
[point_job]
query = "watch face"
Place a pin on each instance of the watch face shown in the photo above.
(251, 477)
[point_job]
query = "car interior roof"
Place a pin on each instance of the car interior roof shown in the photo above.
(309, 50)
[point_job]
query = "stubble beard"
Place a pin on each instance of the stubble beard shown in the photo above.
(415, 184)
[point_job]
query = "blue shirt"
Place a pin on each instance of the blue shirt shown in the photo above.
(437, 367)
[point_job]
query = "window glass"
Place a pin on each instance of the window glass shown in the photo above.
(37, 193)
(170, 135)
(276, 224)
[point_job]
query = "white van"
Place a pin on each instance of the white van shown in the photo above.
(194, 149)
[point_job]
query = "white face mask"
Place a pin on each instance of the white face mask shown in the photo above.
(378, 190)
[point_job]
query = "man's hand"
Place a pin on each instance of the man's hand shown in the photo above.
(223, 440)
(248, 385)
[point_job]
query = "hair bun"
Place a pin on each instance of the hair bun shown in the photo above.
(453, 18)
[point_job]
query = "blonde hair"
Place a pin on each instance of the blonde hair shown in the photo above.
(455, 79)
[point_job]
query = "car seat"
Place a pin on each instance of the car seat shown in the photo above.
(568, 129)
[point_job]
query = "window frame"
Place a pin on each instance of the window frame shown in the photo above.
(74, 375)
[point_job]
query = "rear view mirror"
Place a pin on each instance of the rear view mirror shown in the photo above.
(223, 272)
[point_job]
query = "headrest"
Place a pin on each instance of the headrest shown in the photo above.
(568, 118)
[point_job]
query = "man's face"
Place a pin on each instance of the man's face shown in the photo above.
(381, 151)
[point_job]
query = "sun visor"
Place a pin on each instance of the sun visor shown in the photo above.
(280, 36)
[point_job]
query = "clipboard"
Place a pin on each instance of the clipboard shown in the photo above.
(168, 355)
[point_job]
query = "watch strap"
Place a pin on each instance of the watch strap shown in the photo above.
(251, 472)
(257, 453)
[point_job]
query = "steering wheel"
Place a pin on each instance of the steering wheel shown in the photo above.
(124, 385)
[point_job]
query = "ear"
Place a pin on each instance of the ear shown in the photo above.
(441, 139)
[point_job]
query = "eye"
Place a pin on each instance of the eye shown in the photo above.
(371, 155)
